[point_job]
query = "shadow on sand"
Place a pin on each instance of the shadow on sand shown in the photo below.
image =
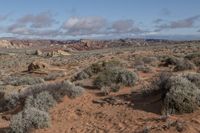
(151, 103)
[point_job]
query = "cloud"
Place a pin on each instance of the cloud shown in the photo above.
(27, 31)
(74, 26)
(165, 12)
(125, 26)
(34, 25)
(98, 25)
(18, 30)
(4, 17)
(198, 30)
(158, 21)
(84, 25)
(41, 20)
(184, 23)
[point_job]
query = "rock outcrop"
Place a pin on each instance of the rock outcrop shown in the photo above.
(5, 44)
(36, 66)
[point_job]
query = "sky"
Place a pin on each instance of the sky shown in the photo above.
(103, 19)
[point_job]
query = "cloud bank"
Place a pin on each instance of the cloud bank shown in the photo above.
(178, 24)
(45, 25)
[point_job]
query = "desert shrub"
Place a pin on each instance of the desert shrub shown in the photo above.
(71, 90)
(192, 56)
(194, 78)
(112, 88)
(111, 64)
(178, 94)
(142, 62)
(88, 72)
(53, 76)
(29, 118)
(184, 65)
(1, 83)
(181, 97)
(179, 63)
(196, 61)
(171, 60)
(9, 101)
(42, 101)
(139, 62)
(17, 81)
(95, 69)
(149, 60)
(116, 76)
(126, 78)
(57, 90)
(157, 86)
(143, 68)
(38, 101)
(82, 75)
(106, 78)
(74, 91)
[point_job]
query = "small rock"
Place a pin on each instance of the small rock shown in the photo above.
(99, 101)
(38, 52)
(179, 127)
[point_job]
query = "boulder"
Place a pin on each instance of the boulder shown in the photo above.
(38, 52)
(34, 66)
(58, 53)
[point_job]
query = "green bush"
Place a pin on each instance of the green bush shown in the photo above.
(157, 86)
(111, 64)
(144, 69)
(28, 119)
(42, 101)
(181, 97)
(83, 75)
(39, 99)
(112, 88)
(171, 60)
(95, 69)
(184, 65)
(53, 76)
(179, 63)
(106, 78)
(126, 78)
(149, 60)
(57, 90)
(9, 101)
(179, 94)
(194, 57)
(138, 62)
(18, 81)
(194, 78)
(71, 90)
(115, 76)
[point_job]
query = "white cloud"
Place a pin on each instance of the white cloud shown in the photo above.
(84, 25)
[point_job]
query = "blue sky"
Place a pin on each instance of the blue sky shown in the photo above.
(75, 19)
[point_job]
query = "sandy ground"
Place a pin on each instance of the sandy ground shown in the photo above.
(82, 115)
(119, 114)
